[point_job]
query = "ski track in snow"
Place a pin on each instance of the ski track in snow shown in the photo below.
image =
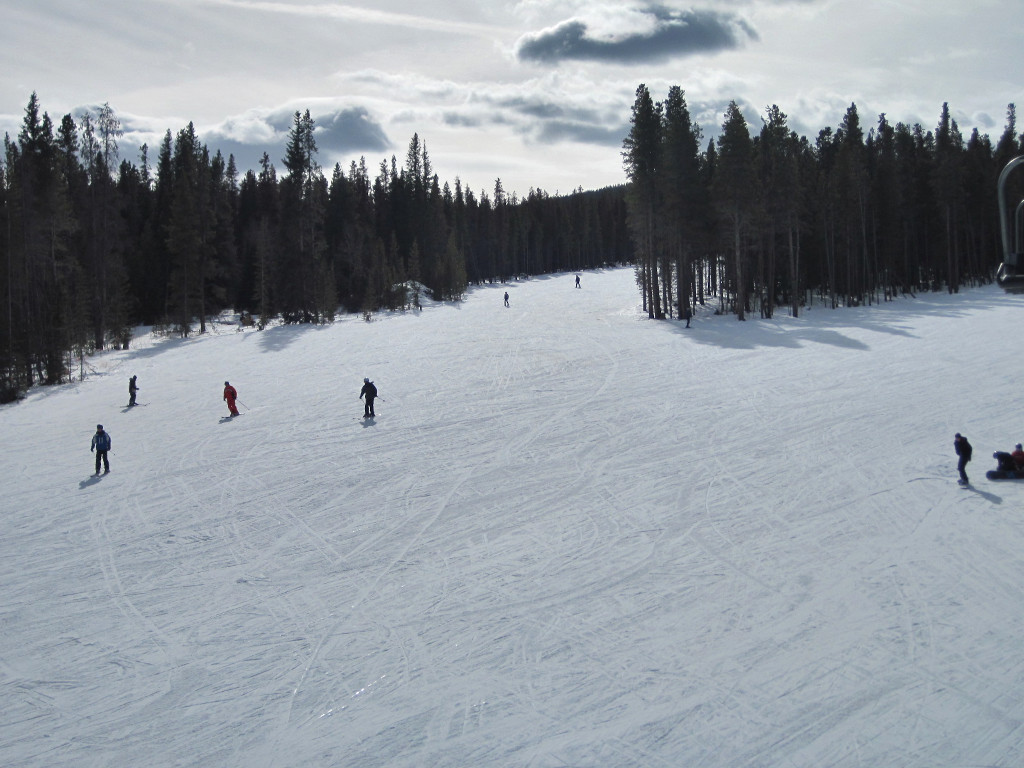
(572, 536)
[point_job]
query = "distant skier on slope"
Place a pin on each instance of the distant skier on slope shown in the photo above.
(230, 395)
(506, 298)
(370, 393)
(133, 388)
(577, 281)
(963, 450)
(101, 444)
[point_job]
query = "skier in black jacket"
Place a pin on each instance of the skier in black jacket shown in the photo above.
(963, 450)
(369, 392)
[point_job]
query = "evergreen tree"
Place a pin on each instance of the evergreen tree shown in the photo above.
(186, 232)
(781, 153)
(642, 156)
(306, 277)
(947, 182)
(885, 207)
(734, 188)
(683, 195)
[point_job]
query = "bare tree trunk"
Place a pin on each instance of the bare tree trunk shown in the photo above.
(740, 287)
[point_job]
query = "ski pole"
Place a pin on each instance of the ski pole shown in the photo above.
(243, 404)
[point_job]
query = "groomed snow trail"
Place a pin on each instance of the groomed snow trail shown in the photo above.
(572, 536)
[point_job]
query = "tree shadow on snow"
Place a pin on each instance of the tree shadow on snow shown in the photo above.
(819, 324)
(164, 344)
(278, 337)
(726, 332)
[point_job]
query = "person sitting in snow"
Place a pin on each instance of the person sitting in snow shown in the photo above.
(1018, 456)
(1004, 461)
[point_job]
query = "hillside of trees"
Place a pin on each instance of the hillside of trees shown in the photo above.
(854, 217)
(94, 245)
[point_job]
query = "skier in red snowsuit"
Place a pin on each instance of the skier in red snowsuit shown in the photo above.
(230, 395)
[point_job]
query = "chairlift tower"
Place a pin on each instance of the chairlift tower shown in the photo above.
(1010, 274)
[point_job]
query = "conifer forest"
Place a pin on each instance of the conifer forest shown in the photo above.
(94, 244)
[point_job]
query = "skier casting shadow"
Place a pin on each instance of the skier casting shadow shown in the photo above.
(370, 393)
(101, 443)
(230, 395)
(963, 450)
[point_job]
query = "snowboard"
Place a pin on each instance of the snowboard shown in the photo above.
(1004, 474)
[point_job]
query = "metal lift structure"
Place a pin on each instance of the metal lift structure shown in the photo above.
(1010, 274)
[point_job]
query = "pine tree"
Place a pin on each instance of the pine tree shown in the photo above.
(641, 157)
(683, 195)
(304, 200)
(734, 192)
(186, 230)
(885, 206)
(947, 182)
(778, 151)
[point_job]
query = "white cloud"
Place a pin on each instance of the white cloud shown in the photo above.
(374, 73)
(360, 15)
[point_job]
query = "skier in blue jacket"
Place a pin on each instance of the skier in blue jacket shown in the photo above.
(101, 444)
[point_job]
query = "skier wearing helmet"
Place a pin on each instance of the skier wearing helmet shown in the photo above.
(230, 395)
(369, 392)
(100, 445)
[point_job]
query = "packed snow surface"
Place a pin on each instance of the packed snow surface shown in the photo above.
(572, 536)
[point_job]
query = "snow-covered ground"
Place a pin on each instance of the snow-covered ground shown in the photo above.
(572, 536)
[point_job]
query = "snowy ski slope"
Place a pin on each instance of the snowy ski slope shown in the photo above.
(572, 536)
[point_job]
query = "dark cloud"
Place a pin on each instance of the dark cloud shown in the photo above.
(338, 133)
(541, 120)
(342, 130)
(540, 108)
(984, 121)
(349, 131)
(674, 33)
(554, 131)
(460, 120)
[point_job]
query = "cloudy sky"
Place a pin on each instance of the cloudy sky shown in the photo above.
(534, 92)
